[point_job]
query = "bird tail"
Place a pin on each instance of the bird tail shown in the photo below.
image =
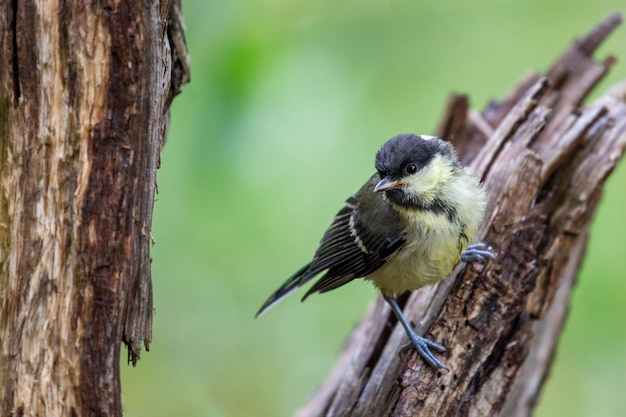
(296, 281)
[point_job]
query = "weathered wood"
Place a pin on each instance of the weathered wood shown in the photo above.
(85, 89)
(543, 159)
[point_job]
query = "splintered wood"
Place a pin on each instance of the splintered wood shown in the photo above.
(543, 158)
(85, 89)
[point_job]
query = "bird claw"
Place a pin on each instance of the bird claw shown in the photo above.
(477, 252)
(423, 345)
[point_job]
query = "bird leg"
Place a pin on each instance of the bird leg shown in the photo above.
(477, 252)
(420, 343)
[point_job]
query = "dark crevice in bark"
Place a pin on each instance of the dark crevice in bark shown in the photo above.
(17, 93)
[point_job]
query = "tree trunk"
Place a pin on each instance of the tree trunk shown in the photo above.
(543, 159)
(85, 89)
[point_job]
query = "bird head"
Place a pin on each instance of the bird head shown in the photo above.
(413, 169)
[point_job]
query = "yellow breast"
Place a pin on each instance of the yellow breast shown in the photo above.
(431, 252)
(434, 242)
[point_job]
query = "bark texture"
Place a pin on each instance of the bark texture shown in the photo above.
(543, 158)
(85, 89)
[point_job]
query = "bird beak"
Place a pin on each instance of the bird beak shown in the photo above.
(389, 184)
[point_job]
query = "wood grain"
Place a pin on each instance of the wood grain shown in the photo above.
(85, 89)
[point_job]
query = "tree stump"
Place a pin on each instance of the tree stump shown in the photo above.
(543, 158)
(85, 89)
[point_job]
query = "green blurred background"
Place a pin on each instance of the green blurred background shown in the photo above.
(288, 103)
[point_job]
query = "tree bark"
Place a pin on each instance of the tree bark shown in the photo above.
(85, 89)
(543, 158)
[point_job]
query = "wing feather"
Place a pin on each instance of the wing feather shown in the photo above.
(363, 235)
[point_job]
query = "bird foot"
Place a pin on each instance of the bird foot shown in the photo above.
(477, 252)
(420, 343)
(423, 346)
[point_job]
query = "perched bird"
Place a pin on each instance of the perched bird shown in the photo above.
(407, 227)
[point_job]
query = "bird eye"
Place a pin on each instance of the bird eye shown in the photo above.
(411, 169)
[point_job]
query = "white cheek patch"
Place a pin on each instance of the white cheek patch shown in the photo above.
(427, 137)
(429, 178)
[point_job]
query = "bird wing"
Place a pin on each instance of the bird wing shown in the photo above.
(354, 248)
(362, 236)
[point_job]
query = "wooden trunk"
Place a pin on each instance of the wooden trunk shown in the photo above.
(85, 89)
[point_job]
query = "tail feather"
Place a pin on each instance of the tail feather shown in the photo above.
(296, 281)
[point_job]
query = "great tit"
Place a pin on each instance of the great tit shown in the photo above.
(407, 227)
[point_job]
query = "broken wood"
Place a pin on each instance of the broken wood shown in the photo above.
(85, 89)
(543, 158)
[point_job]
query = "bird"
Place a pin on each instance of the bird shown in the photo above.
(407, 227)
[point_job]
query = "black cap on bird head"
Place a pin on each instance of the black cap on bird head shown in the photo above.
(408, 148)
